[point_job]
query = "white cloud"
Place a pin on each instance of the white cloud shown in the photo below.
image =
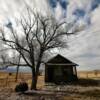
(14, 8)
(42, 6)
(58, 12)
(96, 16)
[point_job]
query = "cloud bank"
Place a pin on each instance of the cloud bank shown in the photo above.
(83, 48)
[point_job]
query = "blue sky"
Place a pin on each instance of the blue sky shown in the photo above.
(84, 48)
(95, 4)
(63, 3)
(78, 12)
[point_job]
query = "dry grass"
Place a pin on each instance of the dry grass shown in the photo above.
(87, 88)
(7, 80)
(89, 74)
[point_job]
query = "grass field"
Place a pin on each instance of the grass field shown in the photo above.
(7, 80)
(89, 74)
(87, 88)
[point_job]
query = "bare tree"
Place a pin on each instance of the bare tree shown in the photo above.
(38, 35)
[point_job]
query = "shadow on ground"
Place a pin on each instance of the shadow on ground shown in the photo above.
(87, 82)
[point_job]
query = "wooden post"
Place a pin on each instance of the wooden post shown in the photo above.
(75, 70)
(46, 74)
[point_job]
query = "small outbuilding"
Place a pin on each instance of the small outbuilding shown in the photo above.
(60, 70)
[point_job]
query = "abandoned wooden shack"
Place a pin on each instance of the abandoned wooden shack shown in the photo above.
(60, 70)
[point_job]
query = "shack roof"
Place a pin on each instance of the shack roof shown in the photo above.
(60, 60)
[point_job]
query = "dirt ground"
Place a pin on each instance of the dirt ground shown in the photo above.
(85, 89)
(69, 93)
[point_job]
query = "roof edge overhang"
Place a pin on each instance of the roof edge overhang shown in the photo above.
(61, 64)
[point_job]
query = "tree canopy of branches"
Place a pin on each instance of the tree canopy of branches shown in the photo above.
(36, 35)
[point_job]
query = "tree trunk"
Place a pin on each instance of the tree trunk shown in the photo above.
(36, 72)
(34, 80)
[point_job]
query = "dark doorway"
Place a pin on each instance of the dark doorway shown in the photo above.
(50, 72)
(67, 74)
